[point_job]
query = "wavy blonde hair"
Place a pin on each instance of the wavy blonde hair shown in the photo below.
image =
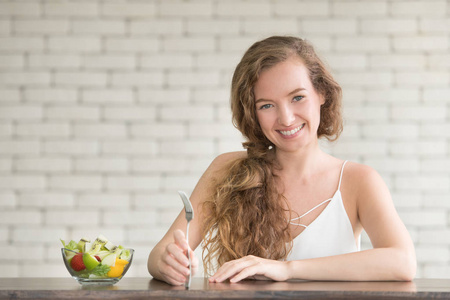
(246, 213)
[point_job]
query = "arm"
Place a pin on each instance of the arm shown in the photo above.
(392, 258)
(167, 261)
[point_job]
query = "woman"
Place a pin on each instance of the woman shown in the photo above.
(284, 209)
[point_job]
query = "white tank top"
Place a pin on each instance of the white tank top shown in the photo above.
(331, 233)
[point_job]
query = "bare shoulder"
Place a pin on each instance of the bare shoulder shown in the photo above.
(221, 163)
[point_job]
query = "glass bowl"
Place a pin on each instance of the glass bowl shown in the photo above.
(86, 276)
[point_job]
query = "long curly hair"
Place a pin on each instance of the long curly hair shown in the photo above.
(246, 214)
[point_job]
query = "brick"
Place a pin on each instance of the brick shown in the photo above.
(43, 130)
(435, 165)
(190, 147)
(40, 26)
(407, 199)
(196, 8)
(25, 78)
(5, 165)
(166, 218)
(49, 95)
(18, 253)
(81, 216)
(217, 61)
(108, 95)
(71, 9)
(43, 165)
(101, 165)
(4, 232)
(398, 62)
(394, 165)
(233, 44)
(134, 113)
(20, 9)
(108, 62)
(436, 200)
(173, 182)
(104, 201)
(356, 8)
(423, 78)
(54, 61)
(434, 237)
(166, 61)
(71, 147)
(436, 270)
(369, 113)
(377, 79)
(244, 9)
(201, 163)
(98, 26)
(347, 62)
(159, 130)
(115, 233)
(168, 200)
(132, 45)
(362, 147)
(75, 44)
(423, 183)
(21, 44)
(133, 183)
(5, 27)
(37, 235)
(160, 164)
(139, 79)
(156, 27)
(129, 218)
(422, 148)
(35, 270)
(9, 270)
(394, 95)
(433, 254)
(150, 235)
(428, 43)
(83, 78)
(75, 182)
(281, 27)
(130, 9)
(435, 130)
(423, 113)
(389, 26)
(391, 131)
(223, 113)
(79, 113)
(211, 95)
(193, 79)
(11, 61)
(367, 44)
(11, 95)
(181, 113)
(189, 44)
(434, 25)
(7, 200)
(46, 199)
(212, 130)
(329, 26)
(213, 26)
(129, 147)
(100, 130)
(20, 217)
(303, 8)
(22, 112)
(159, 95)
(415, 8)
(424, 218)
(436, 95)
(19, 147)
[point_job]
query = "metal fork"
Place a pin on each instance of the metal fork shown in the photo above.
(189, 216)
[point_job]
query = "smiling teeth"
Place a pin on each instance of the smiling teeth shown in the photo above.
(291, 132)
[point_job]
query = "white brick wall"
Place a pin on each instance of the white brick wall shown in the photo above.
(108, 107)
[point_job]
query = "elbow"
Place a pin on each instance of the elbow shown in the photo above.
(408, 267)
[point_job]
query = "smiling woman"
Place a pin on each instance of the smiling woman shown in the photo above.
(284, 209)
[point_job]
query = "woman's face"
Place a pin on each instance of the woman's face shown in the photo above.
(287, 105)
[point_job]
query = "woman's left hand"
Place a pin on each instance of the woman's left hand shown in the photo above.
(252, 267)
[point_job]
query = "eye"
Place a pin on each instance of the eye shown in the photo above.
(297, 98)
(265, 106)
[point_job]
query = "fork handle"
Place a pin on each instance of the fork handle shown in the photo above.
(187, 284)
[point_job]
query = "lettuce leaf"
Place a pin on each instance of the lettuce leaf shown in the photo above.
(101, 270)
(72, 245)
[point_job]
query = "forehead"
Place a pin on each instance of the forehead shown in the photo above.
(282, 79)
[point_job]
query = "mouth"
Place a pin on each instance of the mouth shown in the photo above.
(291, 132)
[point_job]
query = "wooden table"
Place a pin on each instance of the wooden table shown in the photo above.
(147, 288)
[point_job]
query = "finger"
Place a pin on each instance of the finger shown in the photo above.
(175, 251)
(172, 262)
(172, 276)
(231, 268)
(180, 239)
(245, 273)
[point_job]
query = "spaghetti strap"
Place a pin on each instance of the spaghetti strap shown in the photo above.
(340, 177)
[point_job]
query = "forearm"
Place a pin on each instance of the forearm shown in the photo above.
(369, 265)
(152, 263)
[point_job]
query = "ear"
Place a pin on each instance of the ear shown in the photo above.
(321, 99)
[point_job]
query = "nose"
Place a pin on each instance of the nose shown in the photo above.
(286, 116)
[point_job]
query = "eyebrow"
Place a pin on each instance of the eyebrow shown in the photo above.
(290, 94)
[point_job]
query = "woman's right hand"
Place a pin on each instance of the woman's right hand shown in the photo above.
(174, 264)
